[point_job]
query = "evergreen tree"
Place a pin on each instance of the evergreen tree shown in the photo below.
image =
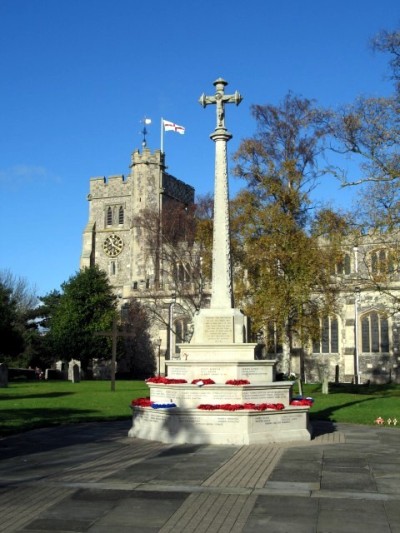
(87, 305)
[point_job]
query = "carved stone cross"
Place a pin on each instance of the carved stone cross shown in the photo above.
(220, 99)
(221, 293)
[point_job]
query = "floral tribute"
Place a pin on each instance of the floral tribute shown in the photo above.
(381, 421)
(146, 402)
(165, 381)
(237, 382)
(207, 381)
(142, 402)
(241, 406)
(302, 402)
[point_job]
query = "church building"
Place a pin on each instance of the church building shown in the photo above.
(360, 342)
(112, 240)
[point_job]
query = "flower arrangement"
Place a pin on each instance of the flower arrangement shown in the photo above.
(201, 382)
(380, 421)
(302, 402)
(237, 382)
(241, 406)
(141, 402)
(165, 381)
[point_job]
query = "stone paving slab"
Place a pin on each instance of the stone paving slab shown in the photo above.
(92, 478)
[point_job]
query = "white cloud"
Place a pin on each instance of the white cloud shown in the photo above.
(23, 174)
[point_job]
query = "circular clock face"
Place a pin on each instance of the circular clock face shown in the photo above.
(113, 245)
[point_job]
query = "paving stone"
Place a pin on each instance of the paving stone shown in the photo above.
(283, 515)
(92, 478)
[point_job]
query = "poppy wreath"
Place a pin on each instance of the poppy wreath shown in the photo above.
(142, 402)
(165, 381)
(237, 382)
(207, 381)
(302, 402)
(241, 406)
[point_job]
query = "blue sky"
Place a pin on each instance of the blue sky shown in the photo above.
(78, 76)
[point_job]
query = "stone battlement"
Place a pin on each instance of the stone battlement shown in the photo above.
(115, 185)
(147, 158)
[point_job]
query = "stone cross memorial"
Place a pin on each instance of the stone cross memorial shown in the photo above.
(221, 323)
(217, 369)
(221, 296)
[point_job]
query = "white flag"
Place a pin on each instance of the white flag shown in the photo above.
(171, 126)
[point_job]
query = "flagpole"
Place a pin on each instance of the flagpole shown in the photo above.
(162, 135)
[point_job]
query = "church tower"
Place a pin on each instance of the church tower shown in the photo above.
(112, 239)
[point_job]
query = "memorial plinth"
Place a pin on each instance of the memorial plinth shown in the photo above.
(220, 427)
(219, 351)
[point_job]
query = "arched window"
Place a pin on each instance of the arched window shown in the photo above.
(374, 333)
(382, 262)
(329, 336)
(113, 269)
(121, 215)
(182, 330)
(344, 265)
(109, 218)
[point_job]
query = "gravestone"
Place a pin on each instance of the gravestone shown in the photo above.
(76, 374)
(3, 375)
(74, 371)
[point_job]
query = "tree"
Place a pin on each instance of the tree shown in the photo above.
(12, 341)
(389, 42)
(177, 248)
(137, 357)
(87, 305)
(368, 133)
(20, 341)
(285, 278)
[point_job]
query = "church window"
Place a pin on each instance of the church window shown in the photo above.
(343, 267)
(382, 262)
(374, 333)
(109, 217)
(121, 215)
(113, 269)
(329, 336)
(182, 332)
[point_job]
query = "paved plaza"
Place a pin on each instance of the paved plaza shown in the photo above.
(93, 478)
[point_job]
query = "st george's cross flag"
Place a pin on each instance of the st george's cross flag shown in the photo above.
(171, 126)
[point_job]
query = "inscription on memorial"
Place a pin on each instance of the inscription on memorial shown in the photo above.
(218, 329)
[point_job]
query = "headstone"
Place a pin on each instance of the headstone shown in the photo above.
(61, 366)
(76, 373)
(74, 370)
(3, 375)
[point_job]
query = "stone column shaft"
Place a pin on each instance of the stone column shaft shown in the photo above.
(221, 296)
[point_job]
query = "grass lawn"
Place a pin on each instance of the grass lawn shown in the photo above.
(28, 405)
(355, 404)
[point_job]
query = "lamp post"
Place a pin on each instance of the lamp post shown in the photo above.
(170, 324)
(159, 357)
(356, 335)
(356, 330)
